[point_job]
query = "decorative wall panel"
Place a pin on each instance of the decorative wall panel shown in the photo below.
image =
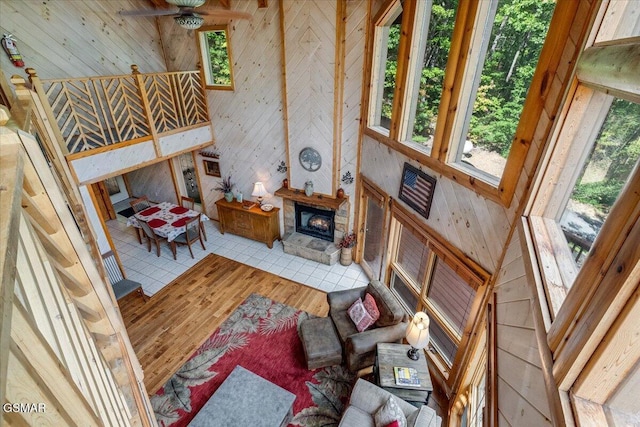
(310, 32)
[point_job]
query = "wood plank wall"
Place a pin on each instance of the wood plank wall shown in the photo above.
(253, 125)
(355, 38)
(522, 399)
(154, 181)
(310, 43)
(80, 38)
(473, 224)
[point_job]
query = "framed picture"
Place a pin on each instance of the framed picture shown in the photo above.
(416, 189)
(212, 168)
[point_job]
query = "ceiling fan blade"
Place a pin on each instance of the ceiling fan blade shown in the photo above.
(150, 12)
(224, 14)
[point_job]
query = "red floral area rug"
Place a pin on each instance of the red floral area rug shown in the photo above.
(261, 335)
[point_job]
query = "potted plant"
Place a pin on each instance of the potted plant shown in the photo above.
(346, 245)
(226, 187)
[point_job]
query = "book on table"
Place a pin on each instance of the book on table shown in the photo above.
(406, 376)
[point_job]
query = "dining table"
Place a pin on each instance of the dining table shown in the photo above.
(166, 219)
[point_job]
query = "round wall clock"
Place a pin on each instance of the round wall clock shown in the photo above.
(310, 159)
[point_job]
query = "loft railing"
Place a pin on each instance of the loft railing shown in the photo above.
(66, 356)
(99, 111)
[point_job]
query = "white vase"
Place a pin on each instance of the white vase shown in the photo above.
(308, 188)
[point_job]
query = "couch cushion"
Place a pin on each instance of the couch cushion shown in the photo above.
(388, 413)
(391, 312)
(343, 324)
(356, 417)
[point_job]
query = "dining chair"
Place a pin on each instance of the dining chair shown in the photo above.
(140, 204)
(151, 235)
(191, 234)
(187, 202)
(120, 284)
(190, 203)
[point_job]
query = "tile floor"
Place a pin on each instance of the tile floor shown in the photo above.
(155, 272)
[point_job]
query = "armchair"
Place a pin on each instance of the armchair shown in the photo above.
(359, 348)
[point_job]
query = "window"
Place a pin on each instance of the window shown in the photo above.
(462, 102)
(581, 226)
(432, 36)
(611, 159)
(501, 60)
(427, 276)
(213, 43)
(385, 66)
(596, 150)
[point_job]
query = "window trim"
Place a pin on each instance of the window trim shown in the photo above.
(380, 36)
(589, 326)
(205, 66)
(470, 271)
(547, 90)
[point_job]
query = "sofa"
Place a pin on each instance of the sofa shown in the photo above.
(359, 348)
(367, 398)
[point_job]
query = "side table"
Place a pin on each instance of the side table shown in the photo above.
(390, 355)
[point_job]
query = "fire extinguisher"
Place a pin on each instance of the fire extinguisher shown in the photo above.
(9, 45)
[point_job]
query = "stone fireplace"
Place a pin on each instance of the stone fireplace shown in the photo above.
(313, 225)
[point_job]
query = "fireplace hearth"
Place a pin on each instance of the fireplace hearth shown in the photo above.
(315, 222)
(313, 225)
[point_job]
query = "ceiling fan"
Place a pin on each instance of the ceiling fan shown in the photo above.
(186, 15)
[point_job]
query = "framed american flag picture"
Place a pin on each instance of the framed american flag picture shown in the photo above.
(416, 189)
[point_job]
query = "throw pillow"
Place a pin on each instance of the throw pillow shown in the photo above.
(395, 423)
(359, 315)
(371, 306)
(388, 413)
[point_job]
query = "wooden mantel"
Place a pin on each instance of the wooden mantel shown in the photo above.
(315, 199)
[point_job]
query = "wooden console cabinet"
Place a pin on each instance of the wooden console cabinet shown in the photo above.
(251, 223)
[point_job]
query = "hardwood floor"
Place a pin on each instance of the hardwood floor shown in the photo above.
(172, 324)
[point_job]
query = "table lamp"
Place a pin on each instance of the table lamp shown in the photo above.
(417, 334)
(259, 191)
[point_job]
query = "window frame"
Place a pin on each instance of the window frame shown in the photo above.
(474, 275)
(541, 102)
(205, 64)
(587, 332)
(380, 36)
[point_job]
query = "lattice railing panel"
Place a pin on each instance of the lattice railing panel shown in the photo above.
(128, 118)
(162, 102)
(96, 112)
(191, 96)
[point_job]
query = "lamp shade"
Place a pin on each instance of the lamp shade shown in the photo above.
(259, 190)
(418, 330)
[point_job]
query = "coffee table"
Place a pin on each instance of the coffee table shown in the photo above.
(246, 399)
(390, 355)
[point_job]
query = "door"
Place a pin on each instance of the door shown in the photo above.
(187, 178)
(374, 230)
(103, 204)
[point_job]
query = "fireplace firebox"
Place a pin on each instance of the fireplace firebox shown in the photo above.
(315, 222)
